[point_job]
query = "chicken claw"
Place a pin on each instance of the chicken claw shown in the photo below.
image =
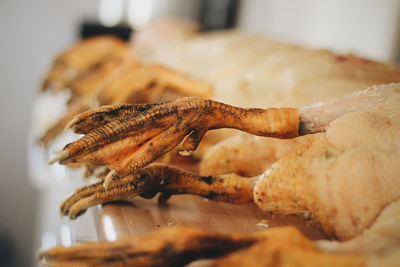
(128, 137)
(164, 179)
(175, 246)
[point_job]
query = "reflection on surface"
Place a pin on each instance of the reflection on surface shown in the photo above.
(66, 235)
(145, 216)
(48, 240)
(109, 230)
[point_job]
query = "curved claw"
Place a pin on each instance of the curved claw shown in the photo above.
(127, 138)
(95, 194)
(164, 179)
(60, 156)
(89, 120)
(191, 142)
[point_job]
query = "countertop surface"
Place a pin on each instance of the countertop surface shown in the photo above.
(142, 216)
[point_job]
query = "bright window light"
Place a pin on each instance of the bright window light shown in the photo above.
(109, 230)
(111, 12)
(66, 235)
(139, 12)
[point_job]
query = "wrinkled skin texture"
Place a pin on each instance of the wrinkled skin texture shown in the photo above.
(126, 138)
(164, 179)
(331, 191)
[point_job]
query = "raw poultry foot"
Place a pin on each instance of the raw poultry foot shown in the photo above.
(126, 138)
(169, 247)
(164, 179)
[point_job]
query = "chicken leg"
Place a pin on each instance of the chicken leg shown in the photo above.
(127, 138)
(178, 246)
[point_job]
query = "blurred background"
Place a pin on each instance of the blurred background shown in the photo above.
(33, 32)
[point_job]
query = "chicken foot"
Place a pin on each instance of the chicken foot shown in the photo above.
(169, 247)
(129, 137)
(164, 179)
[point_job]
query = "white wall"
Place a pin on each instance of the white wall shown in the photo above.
(32, 32)
(367, 27)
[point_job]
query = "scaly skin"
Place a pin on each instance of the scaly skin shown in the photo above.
(161, 178)
(129, 141)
